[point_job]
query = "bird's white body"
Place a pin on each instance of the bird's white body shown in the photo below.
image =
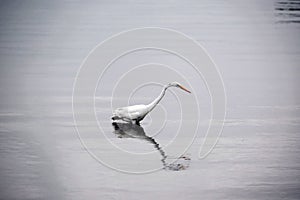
(138, 112)
(130, 113)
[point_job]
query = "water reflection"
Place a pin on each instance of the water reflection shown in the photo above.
(129, 130)
(288, 11)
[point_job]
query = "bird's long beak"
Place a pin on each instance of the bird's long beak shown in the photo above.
(184, 89)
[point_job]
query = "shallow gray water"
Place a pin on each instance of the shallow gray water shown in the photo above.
(256, 47)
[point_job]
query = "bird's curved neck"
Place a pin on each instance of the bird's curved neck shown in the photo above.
(157, 100)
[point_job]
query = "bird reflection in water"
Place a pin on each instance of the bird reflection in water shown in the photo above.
(130, 130)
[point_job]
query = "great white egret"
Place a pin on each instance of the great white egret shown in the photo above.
(137, 113)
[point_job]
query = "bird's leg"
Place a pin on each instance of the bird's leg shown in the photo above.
(126, 120)
(137, 122)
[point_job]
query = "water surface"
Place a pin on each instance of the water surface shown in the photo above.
(256, 47)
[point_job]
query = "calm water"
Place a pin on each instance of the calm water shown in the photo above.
(256, 47)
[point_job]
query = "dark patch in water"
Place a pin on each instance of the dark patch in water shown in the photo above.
(288, 11)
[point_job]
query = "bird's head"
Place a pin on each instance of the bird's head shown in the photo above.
(176, 84)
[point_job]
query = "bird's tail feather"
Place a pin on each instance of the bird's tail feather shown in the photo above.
(115, 117)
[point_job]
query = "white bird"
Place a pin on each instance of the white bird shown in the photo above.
(138, 112)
